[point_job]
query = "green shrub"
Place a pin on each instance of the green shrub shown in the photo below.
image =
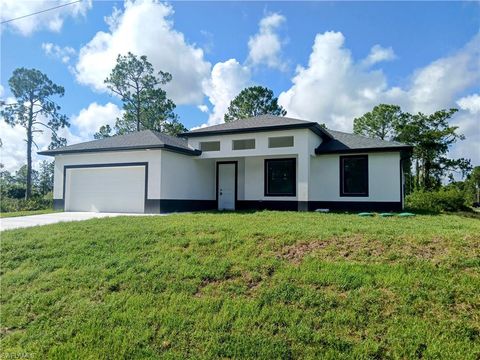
(35, 203)
(436, 201)
(48, 196)
(14, 191)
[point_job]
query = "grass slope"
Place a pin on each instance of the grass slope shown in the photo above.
(26, 213)
(254, 285)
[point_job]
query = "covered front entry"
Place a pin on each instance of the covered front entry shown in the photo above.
(105, 188)
(227, 185)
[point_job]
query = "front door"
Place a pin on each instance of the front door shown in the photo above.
(226, 194)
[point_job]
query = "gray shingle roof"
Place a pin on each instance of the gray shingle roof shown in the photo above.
(334, 141)
(147, 139)
(257, 123)
(344, 142)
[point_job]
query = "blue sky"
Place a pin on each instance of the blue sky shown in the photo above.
(328, 61)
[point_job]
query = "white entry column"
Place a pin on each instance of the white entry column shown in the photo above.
(303, 175)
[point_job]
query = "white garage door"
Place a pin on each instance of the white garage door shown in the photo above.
(105, 189)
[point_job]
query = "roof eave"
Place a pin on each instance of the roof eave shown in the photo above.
(193, 152)
(320, 131)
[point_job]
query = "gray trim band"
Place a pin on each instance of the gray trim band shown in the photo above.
(58, 204)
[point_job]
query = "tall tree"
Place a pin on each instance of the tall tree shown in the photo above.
(35, 110)
(253, 101)
(145, 103)
(379, 123)
(431, 137)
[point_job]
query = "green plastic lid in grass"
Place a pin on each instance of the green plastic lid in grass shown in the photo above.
(387, 214)
(365, 214)
(405, 214)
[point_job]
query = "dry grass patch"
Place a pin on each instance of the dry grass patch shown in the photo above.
(360, 248)
(295, 253)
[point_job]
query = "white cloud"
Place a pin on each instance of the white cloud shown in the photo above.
(470, 103)
(438, 84)
(113, 20)
(468, 121)
(378, 54)
(332, 89)
(203, 108)
(89, 119)
(265, 46)
(14, 147)
(146, 28)
(227, 80)
(64, 54)
(50, 20)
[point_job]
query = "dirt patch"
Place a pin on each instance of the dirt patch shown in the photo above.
(209, 282)
(433, 250)
(359, 248)
(7, 331)
(356, 247)
(295, 253)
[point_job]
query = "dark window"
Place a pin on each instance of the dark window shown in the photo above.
(354, 175)
(243, 144)
(280, 177)
(210, 146)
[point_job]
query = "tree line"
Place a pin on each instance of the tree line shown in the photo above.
(430, 135)
(13, 185)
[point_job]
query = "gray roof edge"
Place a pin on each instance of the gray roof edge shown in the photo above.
(172, 148)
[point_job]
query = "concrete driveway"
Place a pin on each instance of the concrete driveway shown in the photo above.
(45, 219)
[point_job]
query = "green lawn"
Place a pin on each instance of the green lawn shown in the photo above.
(25, 213)
(253, 285)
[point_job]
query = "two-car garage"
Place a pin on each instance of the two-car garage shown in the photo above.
(106, 188)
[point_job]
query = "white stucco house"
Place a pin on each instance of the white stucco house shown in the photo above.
(265, 162)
